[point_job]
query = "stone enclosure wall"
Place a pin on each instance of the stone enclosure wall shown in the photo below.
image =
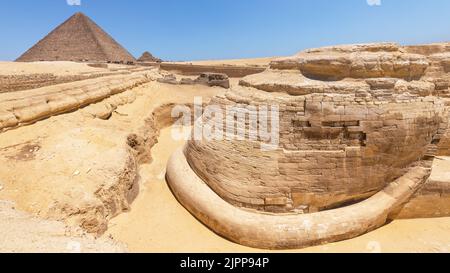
(78, 39)
(22, 107)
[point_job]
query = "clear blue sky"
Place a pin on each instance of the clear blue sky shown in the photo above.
(223, 29)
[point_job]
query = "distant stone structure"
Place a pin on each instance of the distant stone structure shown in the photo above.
(147, 57)
(359, 125)
(214, 79)
(208, 79)
(78, 39)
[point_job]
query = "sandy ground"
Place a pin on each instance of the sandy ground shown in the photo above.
(21, 232)
(57, 68)
(243, 62)
(158, 223)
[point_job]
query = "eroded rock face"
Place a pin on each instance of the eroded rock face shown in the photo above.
(352, 120)
(358, 61)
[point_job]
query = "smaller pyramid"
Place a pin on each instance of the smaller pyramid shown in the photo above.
(78, 39)
(148, 57)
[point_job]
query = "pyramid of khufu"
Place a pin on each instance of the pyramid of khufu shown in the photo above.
(78, 39)
(148, 57)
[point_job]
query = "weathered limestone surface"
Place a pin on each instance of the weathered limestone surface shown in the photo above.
(23, 107)
(295, 84)
(340, 141)
(353, 119)
(214, 79)
(148, 57)
(13, 82)
(428, 49)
